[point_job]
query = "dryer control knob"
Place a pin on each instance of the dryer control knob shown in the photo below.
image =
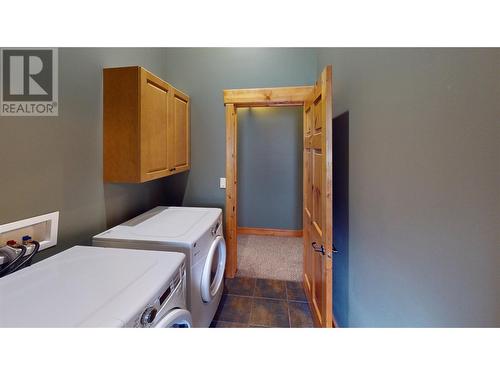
(148, 316)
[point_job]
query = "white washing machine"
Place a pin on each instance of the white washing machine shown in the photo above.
(193, 231)
(97, 287)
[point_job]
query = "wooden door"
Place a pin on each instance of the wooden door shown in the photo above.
(179, 132)
(317, 214)
(154, 126)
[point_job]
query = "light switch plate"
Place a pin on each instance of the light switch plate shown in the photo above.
(222, 183)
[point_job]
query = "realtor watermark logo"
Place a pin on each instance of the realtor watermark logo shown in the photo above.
(29, 82)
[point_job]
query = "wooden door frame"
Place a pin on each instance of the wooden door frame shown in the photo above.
(247, 98)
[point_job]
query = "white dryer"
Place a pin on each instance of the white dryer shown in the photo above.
(194, 231)
(97, 287)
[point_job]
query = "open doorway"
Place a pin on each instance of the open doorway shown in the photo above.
(316, 102)
(269, 190)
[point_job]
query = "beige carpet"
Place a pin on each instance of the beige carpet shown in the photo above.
(269, 257)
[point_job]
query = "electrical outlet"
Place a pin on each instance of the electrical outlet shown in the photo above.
(222, 183)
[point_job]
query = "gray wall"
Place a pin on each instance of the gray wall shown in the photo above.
(424, 165)
(270, 167)
(204, 73)
(424, 246)
(63, 170)
(55, 163)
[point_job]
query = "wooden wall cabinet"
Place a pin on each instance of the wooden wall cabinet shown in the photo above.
(146, 126)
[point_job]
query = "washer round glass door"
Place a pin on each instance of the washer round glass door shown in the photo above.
(177, 318)
(213, 271)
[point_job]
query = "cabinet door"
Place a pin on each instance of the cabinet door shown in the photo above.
(179, 149)
(154, 126)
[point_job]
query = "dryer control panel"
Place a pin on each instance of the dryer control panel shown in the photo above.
(172, 296)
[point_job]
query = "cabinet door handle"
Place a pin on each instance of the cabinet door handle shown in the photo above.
(172, 169)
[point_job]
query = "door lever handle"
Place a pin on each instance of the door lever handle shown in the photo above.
(321, 249)
(318, 248)
(334, 250)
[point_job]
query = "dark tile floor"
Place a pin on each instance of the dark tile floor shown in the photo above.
(249, 302)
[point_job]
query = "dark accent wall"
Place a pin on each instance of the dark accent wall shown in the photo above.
(340, 266)
(55, 163)
(270, 167)
(424, 183)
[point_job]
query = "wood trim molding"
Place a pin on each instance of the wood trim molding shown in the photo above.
(231, 191)
(268, 97)
(245, 98)
(270, 232)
